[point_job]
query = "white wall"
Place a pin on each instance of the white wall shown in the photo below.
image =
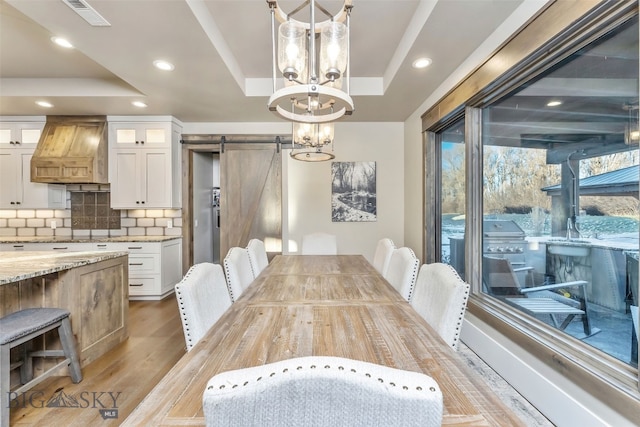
(309, 189)
(413, 185)
(306, 188)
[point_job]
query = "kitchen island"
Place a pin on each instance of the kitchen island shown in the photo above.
(155, 262)
(599, 261)
(91, 285)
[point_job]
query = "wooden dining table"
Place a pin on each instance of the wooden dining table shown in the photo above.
(321, 305)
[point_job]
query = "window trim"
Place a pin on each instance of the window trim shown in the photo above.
(557, 32)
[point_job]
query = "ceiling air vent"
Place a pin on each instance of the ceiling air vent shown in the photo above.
(87, 13)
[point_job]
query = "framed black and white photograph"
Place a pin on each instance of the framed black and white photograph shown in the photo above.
(353, 191)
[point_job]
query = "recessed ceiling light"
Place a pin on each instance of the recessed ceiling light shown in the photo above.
(554, 103)
(44, 104)
(163, 65)
(421, 63)
(62, 42)
(138, 104)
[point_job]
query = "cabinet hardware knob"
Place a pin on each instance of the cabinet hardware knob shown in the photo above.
(136, 284)
(17, 203)
(11, 142)
(13, 203)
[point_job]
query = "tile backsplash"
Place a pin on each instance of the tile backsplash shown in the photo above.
(91, 210)
(41, 222)
(88, 214)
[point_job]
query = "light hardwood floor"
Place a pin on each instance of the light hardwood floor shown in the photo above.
(114, 384)
(134, 367)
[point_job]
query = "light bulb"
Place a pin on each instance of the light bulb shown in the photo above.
(291, 50)
(325, 133)
(333, 50)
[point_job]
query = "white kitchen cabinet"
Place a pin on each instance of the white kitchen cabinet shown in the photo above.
(13, 247)
(15, 132)
(141, 179)
(16, 189)
(42, 246)
(145, 175)
(140, 134)
(154, 267)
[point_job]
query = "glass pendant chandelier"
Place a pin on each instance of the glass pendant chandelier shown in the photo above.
(314, 89)
(311, 141)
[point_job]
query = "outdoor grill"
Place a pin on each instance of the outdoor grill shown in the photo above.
(503, 239)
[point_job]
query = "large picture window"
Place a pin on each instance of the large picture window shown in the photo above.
(452, 203)
(560, 196)
(551, 231)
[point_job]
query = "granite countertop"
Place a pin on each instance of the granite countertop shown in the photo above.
(15, 266)
(623, 243)
(69, 239)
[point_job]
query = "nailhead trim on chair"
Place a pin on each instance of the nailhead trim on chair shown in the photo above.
(227, 272)
(456, 338)
(202, 298)
(414, 274)
(189, 338)
(299, 367)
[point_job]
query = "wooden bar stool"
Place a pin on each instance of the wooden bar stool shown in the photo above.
(23, 326)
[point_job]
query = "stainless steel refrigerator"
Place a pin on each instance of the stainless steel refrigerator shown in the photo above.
(215, 229)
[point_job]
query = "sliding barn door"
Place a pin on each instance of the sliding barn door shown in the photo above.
(250, 196)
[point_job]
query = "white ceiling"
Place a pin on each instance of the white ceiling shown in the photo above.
(222, 55)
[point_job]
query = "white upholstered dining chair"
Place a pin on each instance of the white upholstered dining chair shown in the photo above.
(237, 268)
(402, 271)
(440, 297)
(319, 244)
(202, 298)
(257, 255)
(322, 391)
(382, 256)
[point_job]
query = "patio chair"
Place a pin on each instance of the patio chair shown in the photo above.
(500, 280)
(632, 281)
(318, 391)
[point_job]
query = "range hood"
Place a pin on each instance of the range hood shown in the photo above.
(72, 150)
